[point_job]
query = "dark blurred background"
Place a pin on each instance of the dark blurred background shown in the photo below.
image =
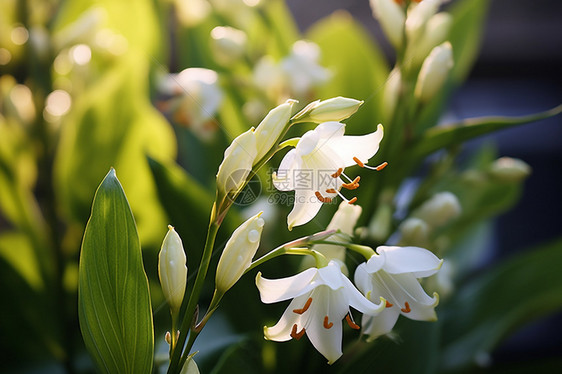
(518, 72)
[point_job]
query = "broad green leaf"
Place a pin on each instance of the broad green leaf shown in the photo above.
(456, 133)
(359, 69)
(465, 35)
(490, 306)
(113, 297)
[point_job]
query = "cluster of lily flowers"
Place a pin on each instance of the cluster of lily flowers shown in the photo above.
(386, 284)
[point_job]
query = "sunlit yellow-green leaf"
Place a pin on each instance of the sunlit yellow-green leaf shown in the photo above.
(113, 297)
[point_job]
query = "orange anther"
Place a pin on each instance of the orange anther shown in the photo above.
(407, 308)
(305, 308)
(381, 166)
(322, 198)
(388, 305)
(358, 162)
(350, 186)
(327, 323)
(337, 173)
(331, 190)
(351, 324)
(297, 335)
(352, 200)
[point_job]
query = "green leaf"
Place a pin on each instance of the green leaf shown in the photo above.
(491, 306)
(359, 69)
(456, 133)
(113, 298)
(466, 34)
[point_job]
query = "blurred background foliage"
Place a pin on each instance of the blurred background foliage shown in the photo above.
(84, 86)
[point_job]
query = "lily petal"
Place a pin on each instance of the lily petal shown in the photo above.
(284, 179)
(362, 147)
(418, 261)
(379, 325)
(275, 290)
(360, 302)
(281, 332)
(305, 208)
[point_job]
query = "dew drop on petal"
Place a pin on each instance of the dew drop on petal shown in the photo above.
(253, 236)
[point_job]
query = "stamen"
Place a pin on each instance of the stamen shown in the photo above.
(350, 322)
(353, 184)
(297, 335)
(331, 190)
(358, 162)
(347, 178)
(388, 305)
(327, 323)
(305, 308)
(337, 173)
(381, 166)
(322, 198)
(407, 308)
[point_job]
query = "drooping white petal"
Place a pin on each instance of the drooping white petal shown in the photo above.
(333, 305)
(275, 290)
(306, 207)
(362, 147)
(360, 302)
(418, 261)
(401, 288)
(380, 324)
(281, 332)
(330, 130)
(375, 263)
(284, 179)
(331, 276)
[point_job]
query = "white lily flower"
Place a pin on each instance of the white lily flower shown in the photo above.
(321, 300)
(196, 98)
(392, 274)
(302, 68)
(314, 169)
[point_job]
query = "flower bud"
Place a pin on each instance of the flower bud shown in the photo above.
(238, 253)
(190, 367)
(334, 109)
(436, 32)
(418, 17)
(237, 163)
(172, 269)
(434, 72)
(271, 128)
(391, 92)
(509, 169)
(228, 44)
(415, 232)
(439, 210)
(391, 18)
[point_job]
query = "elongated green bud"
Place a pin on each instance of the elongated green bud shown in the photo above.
(172, 269)
(509, 169)
(238, 253)
(271, 128)
(334, 109)
(434, 72)
(391, 17)
(237, 163)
